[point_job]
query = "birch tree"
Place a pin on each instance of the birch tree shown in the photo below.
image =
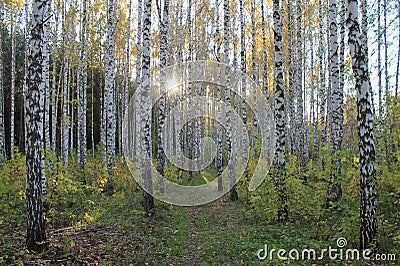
(243, 70)
(36, 233)
(139, 55)
(2, 130)
(109, 91)
(45, 92)
(300, 127)
(388, 142)
(82, 90)
(357, 46)
(162, 100)
(279, 99)
(233, 192)
(65, 92)
(12, 89)
(125, 97)
(217, 49)
(398, 56)
(322, 75)
(148, 201)
(335, 191)
(380, 91)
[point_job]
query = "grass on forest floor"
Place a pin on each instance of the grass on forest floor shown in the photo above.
(94, 228)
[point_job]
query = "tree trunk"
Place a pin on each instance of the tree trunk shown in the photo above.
(45, 100)
(219, 113)
(109, 92)
(359, 55)
(148, 201)
(388, 135)
(243, 70)
(12, 90)
(300, 127)
(36, 233)
(162, 99)
(335, 190)
(322, 77)
(82, 90)
(398, 57)
(279, 100)
(125, 94)
(2, 130)
(65, 98)
(228, 126)
(380, 91)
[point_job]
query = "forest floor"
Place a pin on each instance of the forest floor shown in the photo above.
(220, 233)
(87, 227)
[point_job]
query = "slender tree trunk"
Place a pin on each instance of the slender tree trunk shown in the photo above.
(125, 94)
(279, 99)
(398, 56)
(314, 103)
(265, 55)
(380, 91)
(2, 130)
(292, 140)
(243, 70)
(12, 90)
(109, 92)
(103, 133)
(54, 107)
(82, 90)
(139, 55)
(300, 127)
(359, 55)
(148, 201)
(219, 113)
(335, 190)
(162, 99)
(65, 98)
(322, 76)
(45, 99)
(228, 126)
(36, 232)
(388, 135)
(254, 74)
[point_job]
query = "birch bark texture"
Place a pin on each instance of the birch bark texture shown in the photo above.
(36, 232)
(82, 90)
(357, 46)
(162, 99)
(279, 114)
(109, 92)
(148, 201)
(335, 191)
(2, 130)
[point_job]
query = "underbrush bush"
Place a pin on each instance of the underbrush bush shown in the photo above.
(12, 190)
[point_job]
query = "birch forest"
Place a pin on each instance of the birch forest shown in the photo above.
(199, 132)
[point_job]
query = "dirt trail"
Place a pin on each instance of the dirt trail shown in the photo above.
(193, 247)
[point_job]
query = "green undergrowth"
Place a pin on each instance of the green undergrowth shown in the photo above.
(108, 229)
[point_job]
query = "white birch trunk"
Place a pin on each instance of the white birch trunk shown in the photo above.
(36, 234)
(162, 99)
(334, 190)
(279, 99)
(359, 55)
(12, 90)
(109, 91)
(82, 90)
(2, 130)
(148, 201)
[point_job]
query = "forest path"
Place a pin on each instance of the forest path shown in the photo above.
(191, 242)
